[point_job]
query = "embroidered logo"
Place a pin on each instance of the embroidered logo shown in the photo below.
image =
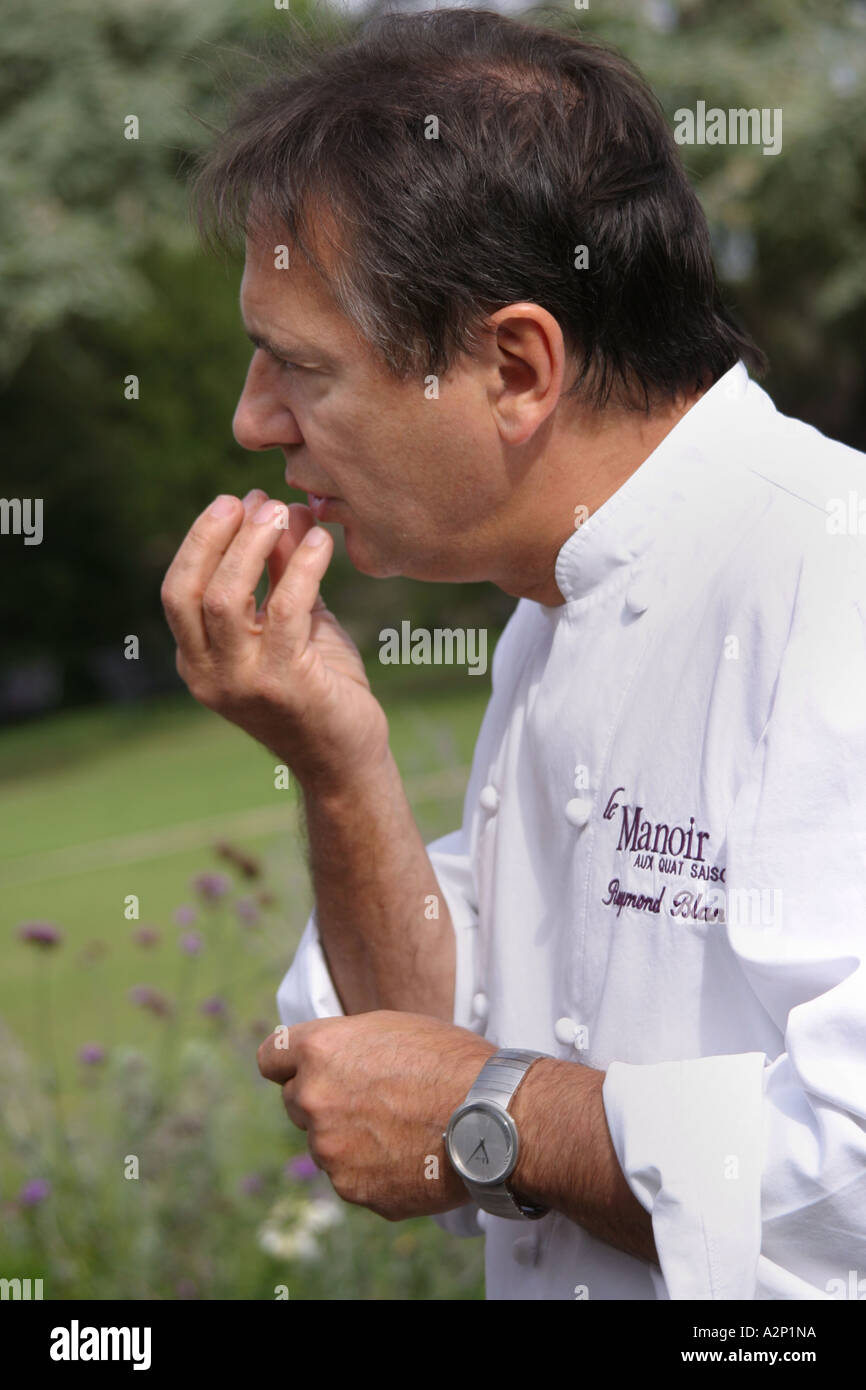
(669, 849)
(655, 844)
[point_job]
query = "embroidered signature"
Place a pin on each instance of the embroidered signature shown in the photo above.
(643, 902)
(683, 905)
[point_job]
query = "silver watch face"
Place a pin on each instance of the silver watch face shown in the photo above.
(482, 1143)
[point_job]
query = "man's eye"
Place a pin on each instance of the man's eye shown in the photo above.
(284, 363)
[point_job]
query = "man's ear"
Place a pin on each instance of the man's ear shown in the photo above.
(528, 354)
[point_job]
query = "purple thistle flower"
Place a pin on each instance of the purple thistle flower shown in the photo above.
(191, 942)
(41, 934)
(211, 887)
(248, 911)
(145, 936)
(33, 1192)
(151, 999)
(185, 916)
(302, 1168)
(251, 1185)
(215, 1006)
(91, 1054)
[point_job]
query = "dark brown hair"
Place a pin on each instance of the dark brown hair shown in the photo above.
(546, 142)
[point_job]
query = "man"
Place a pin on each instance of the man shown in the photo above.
(490, 345)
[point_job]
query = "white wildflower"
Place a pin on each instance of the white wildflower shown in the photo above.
(289, 1231)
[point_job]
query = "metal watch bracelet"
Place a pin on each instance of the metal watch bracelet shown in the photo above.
(497, 1083)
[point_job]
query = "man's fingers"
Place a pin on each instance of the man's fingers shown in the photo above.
(192, 568)
(276, 1057)
(228, 602)
(301, 519)
(209, 590)
(292, 601)
(298, 1117)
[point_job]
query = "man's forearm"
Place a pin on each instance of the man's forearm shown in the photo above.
(383, 921)
(567, 1158)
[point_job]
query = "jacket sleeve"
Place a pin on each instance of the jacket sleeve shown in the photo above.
(754, 1168)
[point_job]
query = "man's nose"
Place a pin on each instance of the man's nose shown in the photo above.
(261, 420)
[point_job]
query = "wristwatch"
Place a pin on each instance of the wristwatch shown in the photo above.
(481, 1139)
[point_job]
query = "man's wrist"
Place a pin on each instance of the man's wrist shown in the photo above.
(339, 791)
(567, 1160)
(548, 1108)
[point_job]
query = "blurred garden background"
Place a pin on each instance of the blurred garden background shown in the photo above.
(134, 1036)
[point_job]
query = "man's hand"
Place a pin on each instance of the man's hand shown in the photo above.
(288, 673)
(374, 1093)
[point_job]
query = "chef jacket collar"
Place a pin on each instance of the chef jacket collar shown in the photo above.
(624, 526)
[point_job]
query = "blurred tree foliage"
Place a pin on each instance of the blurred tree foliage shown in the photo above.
(81, 200)
(789, 229)
(100, 278)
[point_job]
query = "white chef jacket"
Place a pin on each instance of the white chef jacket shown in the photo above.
(661, 870)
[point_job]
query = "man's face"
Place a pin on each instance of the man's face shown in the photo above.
(419, 485)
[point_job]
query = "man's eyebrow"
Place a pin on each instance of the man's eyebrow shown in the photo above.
(279, 349)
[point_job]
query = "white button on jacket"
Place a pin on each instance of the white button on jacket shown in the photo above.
(707, 924)
(578, 811)
(480, 1006)
(567, 1032)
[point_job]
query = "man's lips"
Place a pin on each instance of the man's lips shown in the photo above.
(316, 501)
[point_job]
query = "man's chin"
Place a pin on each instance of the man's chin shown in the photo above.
(379, 563)
(367, 560)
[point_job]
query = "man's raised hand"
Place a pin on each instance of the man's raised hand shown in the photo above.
(287, 673)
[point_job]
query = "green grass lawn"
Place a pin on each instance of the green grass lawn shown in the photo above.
(103, 804)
